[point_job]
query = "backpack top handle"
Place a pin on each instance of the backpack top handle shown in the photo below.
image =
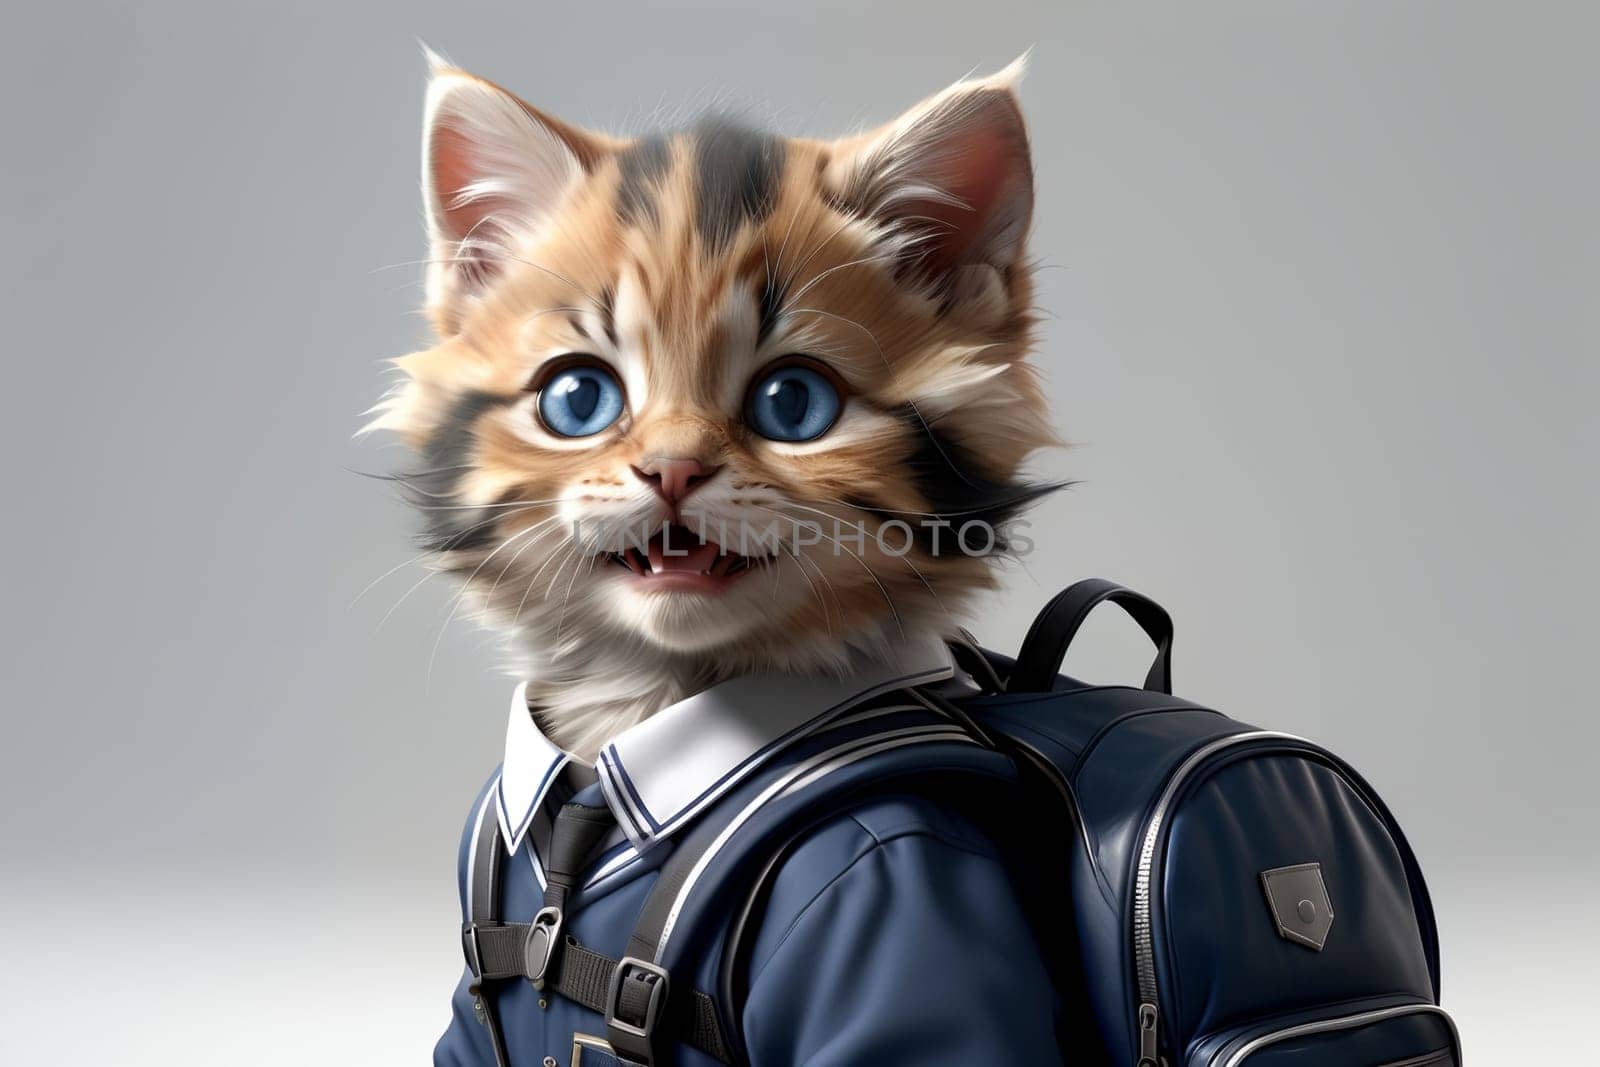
(1046, 644)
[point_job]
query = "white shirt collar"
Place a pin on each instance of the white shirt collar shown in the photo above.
(659, 774)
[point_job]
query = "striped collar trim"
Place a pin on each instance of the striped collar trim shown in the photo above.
(661, 773)
(532, 764)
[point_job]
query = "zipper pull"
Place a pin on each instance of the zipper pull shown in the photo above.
(1149, 1018)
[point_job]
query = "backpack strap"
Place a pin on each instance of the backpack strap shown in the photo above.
(483, 910)
(629, 993)
(980, 664)
(712, 869)
(1046, 643)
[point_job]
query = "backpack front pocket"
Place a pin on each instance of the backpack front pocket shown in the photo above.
(1407, 1035)
(1440, 1058)
(1269, 884)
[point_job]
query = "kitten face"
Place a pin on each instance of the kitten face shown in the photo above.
(656, 353)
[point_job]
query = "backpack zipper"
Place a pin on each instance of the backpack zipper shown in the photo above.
(1343, 1022)
(1144, 948)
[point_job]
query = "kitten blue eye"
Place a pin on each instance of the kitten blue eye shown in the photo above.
(580, 401)
(793, 403)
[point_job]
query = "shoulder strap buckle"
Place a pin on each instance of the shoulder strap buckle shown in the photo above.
(634, 1006)
(471, 949)
(539, 950)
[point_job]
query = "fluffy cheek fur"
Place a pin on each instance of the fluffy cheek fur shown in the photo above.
(529, 532)
(934, 425)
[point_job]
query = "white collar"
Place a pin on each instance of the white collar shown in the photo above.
(660, 773)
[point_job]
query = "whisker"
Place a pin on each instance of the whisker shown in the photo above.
(1011, 501)
(824, 243)
(405, 596)
(410, 486)
(561, 618)
(808, 286)
(488, 507)
(766, 256)
(799, 562)
(903, 559)
(583, 247)
(532, 582)
(466, 585)
(451, 544)
(783, 246)
(391, 477)
(571, 546)
(512, 562)
(887, 599)
(373, 584)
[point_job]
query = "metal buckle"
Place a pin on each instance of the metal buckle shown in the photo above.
(636, 1043)
(539, 949)
(470, 949)
(582, 1042)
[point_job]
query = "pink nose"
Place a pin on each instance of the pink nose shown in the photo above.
(674, 479)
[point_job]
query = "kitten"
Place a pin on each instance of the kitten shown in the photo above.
(654, 352)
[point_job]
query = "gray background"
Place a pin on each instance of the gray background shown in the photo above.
(1321, 280)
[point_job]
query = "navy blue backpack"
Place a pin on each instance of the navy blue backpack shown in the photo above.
(1239, 897)
(1221, 896)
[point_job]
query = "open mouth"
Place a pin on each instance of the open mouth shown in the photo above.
(679, 558)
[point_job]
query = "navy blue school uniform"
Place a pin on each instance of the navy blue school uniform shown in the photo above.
(892, 934)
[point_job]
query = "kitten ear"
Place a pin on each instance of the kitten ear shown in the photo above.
(954, 174)
(493, 168)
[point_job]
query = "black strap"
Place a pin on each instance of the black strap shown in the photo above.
(692, 845)
(940, 704)
(970, 657)
(700, 838)
(575, 836)
(1046, 644)
(483, 905)
(739, 945)
(630, 993)
(585, 978)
